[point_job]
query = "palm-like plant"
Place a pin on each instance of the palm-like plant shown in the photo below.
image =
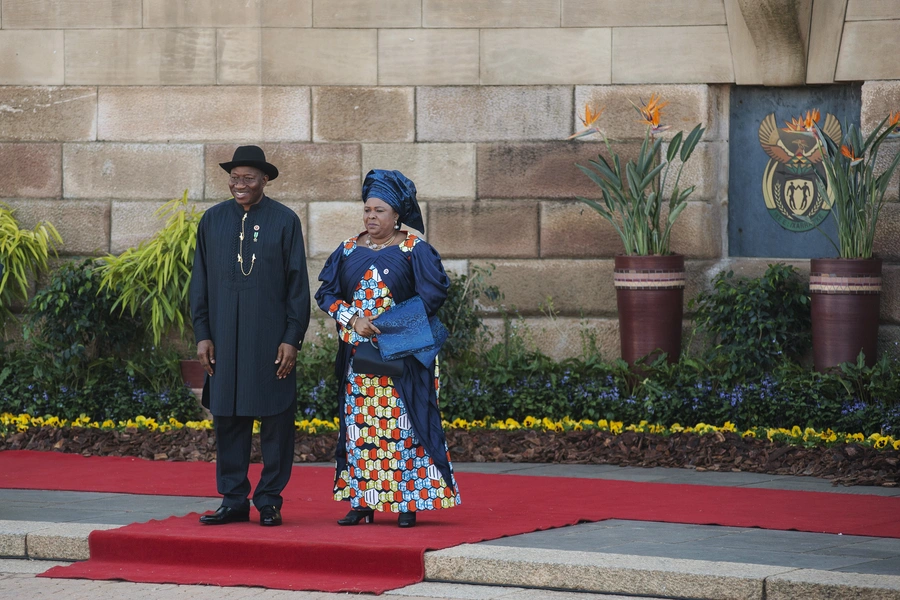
(24, 254)
(855, 187)
(633, 196)
(153, 279)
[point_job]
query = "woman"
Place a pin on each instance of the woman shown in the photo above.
(392, 454)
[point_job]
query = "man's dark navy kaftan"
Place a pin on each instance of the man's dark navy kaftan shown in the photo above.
(248, 317)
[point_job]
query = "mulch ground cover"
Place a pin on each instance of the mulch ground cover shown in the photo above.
(843, 464)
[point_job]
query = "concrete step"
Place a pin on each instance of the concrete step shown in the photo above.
(42, 540)
(648, 576)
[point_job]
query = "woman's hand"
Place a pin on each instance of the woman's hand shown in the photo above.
(364, 326)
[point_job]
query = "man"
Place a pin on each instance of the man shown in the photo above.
(250, 307)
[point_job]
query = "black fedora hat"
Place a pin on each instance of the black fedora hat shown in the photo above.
(251, 156)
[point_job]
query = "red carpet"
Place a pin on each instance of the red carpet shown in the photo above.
(311, 552)
(28, 470)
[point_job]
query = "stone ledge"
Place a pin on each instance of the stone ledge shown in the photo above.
(597, 572)
(811, 584)
(12, 537)
(47, 541)
(63, 541)
(646, 575)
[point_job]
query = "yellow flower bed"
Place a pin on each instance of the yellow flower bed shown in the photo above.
(795, 435)
(24, 422)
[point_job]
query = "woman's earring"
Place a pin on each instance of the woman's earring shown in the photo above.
(396, 224)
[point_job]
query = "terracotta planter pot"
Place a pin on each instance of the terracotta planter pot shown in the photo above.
(192, 374)
(650, 299)
(845, 294)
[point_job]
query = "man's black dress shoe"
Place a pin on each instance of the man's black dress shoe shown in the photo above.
(269, 516)
(406, 519)
(224, 515)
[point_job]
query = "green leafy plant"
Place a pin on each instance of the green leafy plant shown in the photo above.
(874, 391)
(633, 196)
(856, 187)
(754, 324)
(508, 379)
(24, 255)
(108, 389)
(460, 315)
(79, 358)
(316, 380)
(153, 279)
(69, 320)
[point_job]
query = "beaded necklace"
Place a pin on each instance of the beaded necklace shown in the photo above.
(373, 246)
(241, 251)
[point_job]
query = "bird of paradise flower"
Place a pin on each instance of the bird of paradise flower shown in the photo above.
(651, 113)
(633, 193)
(894, 124)
(847, 151)
(590, 117)
(855, 156)
(859, 189)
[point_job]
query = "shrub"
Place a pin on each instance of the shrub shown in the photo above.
(317, 383)
(79, 359)
(753, 325)
(108, 390)
(70, 367)
(459, 314)
(70, 319)
(517, 384)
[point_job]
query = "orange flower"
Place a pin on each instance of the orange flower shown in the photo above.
(847, 151)
(651, 112)
(590, 117)
(894, 124)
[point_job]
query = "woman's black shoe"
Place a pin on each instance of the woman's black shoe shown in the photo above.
(355, 517)
(407, 519)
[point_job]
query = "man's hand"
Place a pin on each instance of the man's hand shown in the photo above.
(206, 354)
(286, 359)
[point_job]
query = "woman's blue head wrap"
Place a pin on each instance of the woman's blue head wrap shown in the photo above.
(398, 191)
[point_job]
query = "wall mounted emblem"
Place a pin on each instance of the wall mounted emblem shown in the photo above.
(790, 181)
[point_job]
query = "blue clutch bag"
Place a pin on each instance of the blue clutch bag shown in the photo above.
(440, 335)
(406, 330)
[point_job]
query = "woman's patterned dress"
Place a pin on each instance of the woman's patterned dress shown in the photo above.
(387, 469)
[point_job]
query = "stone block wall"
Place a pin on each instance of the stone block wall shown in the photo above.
(108, 108)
